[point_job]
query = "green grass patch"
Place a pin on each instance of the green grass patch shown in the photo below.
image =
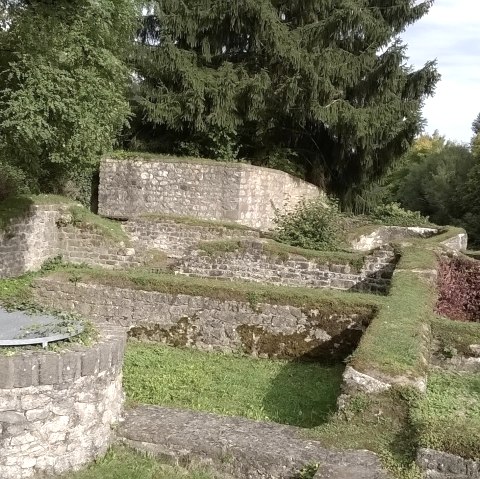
(394, 342)
(123, 463)
(447, 418)
(110, 229)
(283, 251)
(192, 221)
(165, 158)
(16, 291)
(379, 423)
(455, 336)
(328, 300)
(417, 257)
(288, 392)
(445, 234)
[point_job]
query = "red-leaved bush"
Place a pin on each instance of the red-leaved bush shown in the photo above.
(459, 289)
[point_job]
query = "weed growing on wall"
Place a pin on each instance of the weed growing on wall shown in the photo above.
(315, 224)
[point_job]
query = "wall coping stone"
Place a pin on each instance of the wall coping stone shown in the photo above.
(257, 450)
(36, 368)
(442, 465)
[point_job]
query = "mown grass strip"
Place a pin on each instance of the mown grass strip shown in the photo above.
(192, 221)
(165, 158)
(447, 418)
(109, 229)
(289, 392)
(379, 423)
(123, 463)
(394, 343)
(455, 336)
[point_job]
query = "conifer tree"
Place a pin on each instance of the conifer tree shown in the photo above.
(325, 81)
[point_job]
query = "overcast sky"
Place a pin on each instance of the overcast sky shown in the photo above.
(450, 33)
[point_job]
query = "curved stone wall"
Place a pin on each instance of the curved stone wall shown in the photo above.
(57, 409)
(236, 192)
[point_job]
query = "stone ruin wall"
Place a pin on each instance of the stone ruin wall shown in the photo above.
(176, 238)
(57, 409)
(261, 329)
(252, 262)
(234, 192)
(46, 232)
(28, 242)
(43, 234)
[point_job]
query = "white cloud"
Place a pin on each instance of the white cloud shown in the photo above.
(450, 33)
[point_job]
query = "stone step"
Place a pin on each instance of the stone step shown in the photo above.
(241, 447)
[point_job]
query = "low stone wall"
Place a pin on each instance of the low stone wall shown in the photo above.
(264, 330)
(235, 192)
(241, 448)
(28, 242)
(383, 235)
(440, 465)
(84, 245)
(175, 238)
(57, 409)
(253, 262)
(46, 232)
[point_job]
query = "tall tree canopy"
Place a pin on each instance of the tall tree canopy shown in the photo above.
(324, 81)
(63, 84)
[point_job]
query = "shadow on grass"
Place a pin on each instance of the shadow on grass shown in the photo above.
(304, 393)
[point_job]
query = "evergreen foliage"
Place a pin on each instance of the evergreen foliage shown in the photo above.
(476, 125)
(62, 86)
(326, 80)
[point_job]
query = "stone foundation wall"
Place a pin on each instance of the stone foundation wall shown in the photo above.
(391, 234)
(176, 238)
(57, 409)
(46, 232)
(28, 242)
(234, 192)
(83, 245)
(264, 330)
(253, 262)
(440, 465)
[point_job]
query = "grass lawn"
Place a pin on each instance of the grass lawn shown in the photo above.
(448, 416)
(122, 463)
(296, 393)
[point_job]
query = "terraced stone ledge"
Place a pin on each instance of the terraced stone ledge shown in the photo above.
(441, 465)
(244, 448)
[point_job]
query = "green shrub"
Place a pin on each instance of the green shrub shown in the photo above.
(315, 224)
(393, 214)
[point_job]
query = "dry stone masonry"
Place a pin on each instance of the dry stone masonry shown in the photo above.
(57, 409)
(252, 261)
(235, 192)
(28, 242)
(175, 238)
(244, 448)
(264, 330)
(46, 231)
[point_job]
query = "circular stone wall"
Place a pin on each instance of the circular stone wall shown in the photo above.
(57, 408)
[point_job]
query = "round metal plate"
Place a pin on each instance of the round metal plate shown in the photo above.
(20, 329)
